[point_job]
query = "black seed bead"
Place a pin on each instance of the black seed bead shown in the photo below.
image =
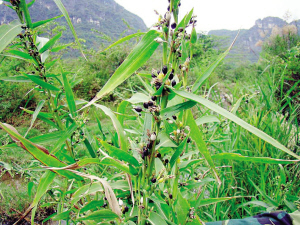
(153, 180)
(188, 140)
(138, 109)
(157, 86)
(158, 155)
(146, 153)
(174, 117)
(146, 105)
(171, 76)
(173, 83)
(126, 209)
(166, 161)
(196, 178)
(150, 103)
(149, 145)
(170, 196)
(180, 29)
(165, 69)
(153, 75)
(154, 98)
(173, 25)
(104, 205)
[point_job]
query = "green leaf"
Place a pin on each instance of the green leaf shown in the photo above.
(38, 152)
(44, 184)
(30, 4)
(267, 198)
(42, 22)
(197, 136)
(16, 79)
(125, 39)
(62, 216)
(239, 157)
(50, 43)
(67, 133)
(182, 209)
(138, 98)
(137, 58)
(35, 114)
(120, 154)
(8, 32)
(178, 152)
(209, 201)
(100, 215)
(93, 205)
(20, 54)
(235, 119)
(67, 17)
(121, 110)
(170, 111)
(207, 119)
(69, 95)
(117, 125)
(156, 219)
(41, 83)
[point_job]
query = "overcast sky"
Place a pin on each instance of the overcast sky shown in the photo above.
(217, 14)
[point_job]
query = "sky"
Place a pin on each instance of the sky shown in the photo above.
(217, 14)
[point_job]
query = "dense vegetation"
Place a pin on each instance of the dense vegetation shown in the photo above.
(186, 139)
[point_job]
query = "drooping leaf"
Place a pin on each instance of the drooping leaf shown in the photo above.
(37, 151)
(8, 32)
(235, 119)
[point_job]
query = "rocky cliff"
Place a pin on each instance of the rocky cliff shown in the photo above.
(249, 42)
(103, 15)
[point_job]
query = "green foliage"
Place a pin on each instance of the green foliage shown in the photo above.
(167, 155)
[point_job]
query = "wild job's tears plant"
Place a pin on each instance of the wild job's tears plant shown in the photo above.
(149, 175)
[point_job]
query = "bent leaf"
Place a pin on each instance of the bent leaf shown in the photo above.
(237, 120)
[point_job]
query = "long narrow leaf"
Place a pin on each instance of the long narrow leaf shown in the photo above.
(235, 119)
(137, 58)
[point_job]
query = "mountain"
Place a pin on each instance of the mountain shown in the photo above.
(105, 16)
(249, 42)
